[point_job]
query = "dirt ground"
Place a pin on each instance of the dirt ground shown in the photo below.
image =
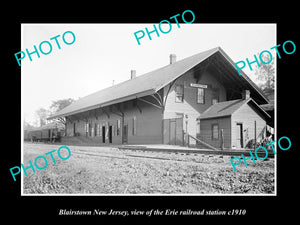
(107, 170)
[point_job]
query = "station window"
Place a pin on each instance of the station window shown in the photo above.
(179, 93)
(215, 131)
(198, 126)
(118, 127)
(98, 129)
(134, 125)
(86, 129)
(200, 96)
(215, 96)
(95, 129)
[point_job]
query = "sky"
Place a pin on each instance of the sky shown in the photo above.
(106, 53)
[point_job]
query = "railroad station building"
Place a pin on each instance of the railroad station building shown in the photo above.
(197, 100)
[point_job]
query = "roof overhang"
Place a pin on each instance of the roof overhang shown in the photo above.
(248, 101)
(267, 115)
(221, 60)
(115, 101)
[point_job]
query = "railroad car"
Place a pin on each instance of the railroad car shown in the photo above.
(51, 132)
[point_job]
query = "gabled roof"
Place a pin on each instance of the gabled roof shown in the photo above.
(147, 84)
(223, 109)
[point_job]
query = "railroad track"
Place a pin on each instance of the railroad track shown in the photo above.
(163, 154)
(260, 152)
(168, 156)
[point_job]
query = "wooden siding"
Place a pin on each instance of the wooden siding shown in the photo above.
(147, 117)
(189, 106)
(148, 124)
(206, 131)
(247, 115)
(173, 131)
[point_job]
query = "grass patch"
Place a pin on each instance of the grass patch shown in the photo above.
(105, 170)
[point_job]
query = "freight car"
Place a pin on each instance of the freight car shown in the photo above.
(48, 133)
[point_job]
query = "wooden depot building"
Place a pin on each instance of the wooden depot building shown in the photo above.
(201, 97)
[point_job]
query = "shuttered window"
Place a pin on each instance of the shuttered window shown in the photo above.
(134, 126)
(98, 129)
(95, 130)
(86, 129)
(118, 127)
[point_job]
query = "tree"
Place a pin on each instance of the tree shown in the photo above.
(27, 126)
(266, 73)
(42, 115)
(59, 105)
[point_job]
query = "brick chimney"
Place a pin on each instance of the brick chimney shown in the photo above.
(245, 94)
(172, 58)
(132, 74)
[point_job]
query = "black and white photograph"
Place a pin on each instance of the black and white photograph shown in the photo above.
(132, 115)
(167, 116)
